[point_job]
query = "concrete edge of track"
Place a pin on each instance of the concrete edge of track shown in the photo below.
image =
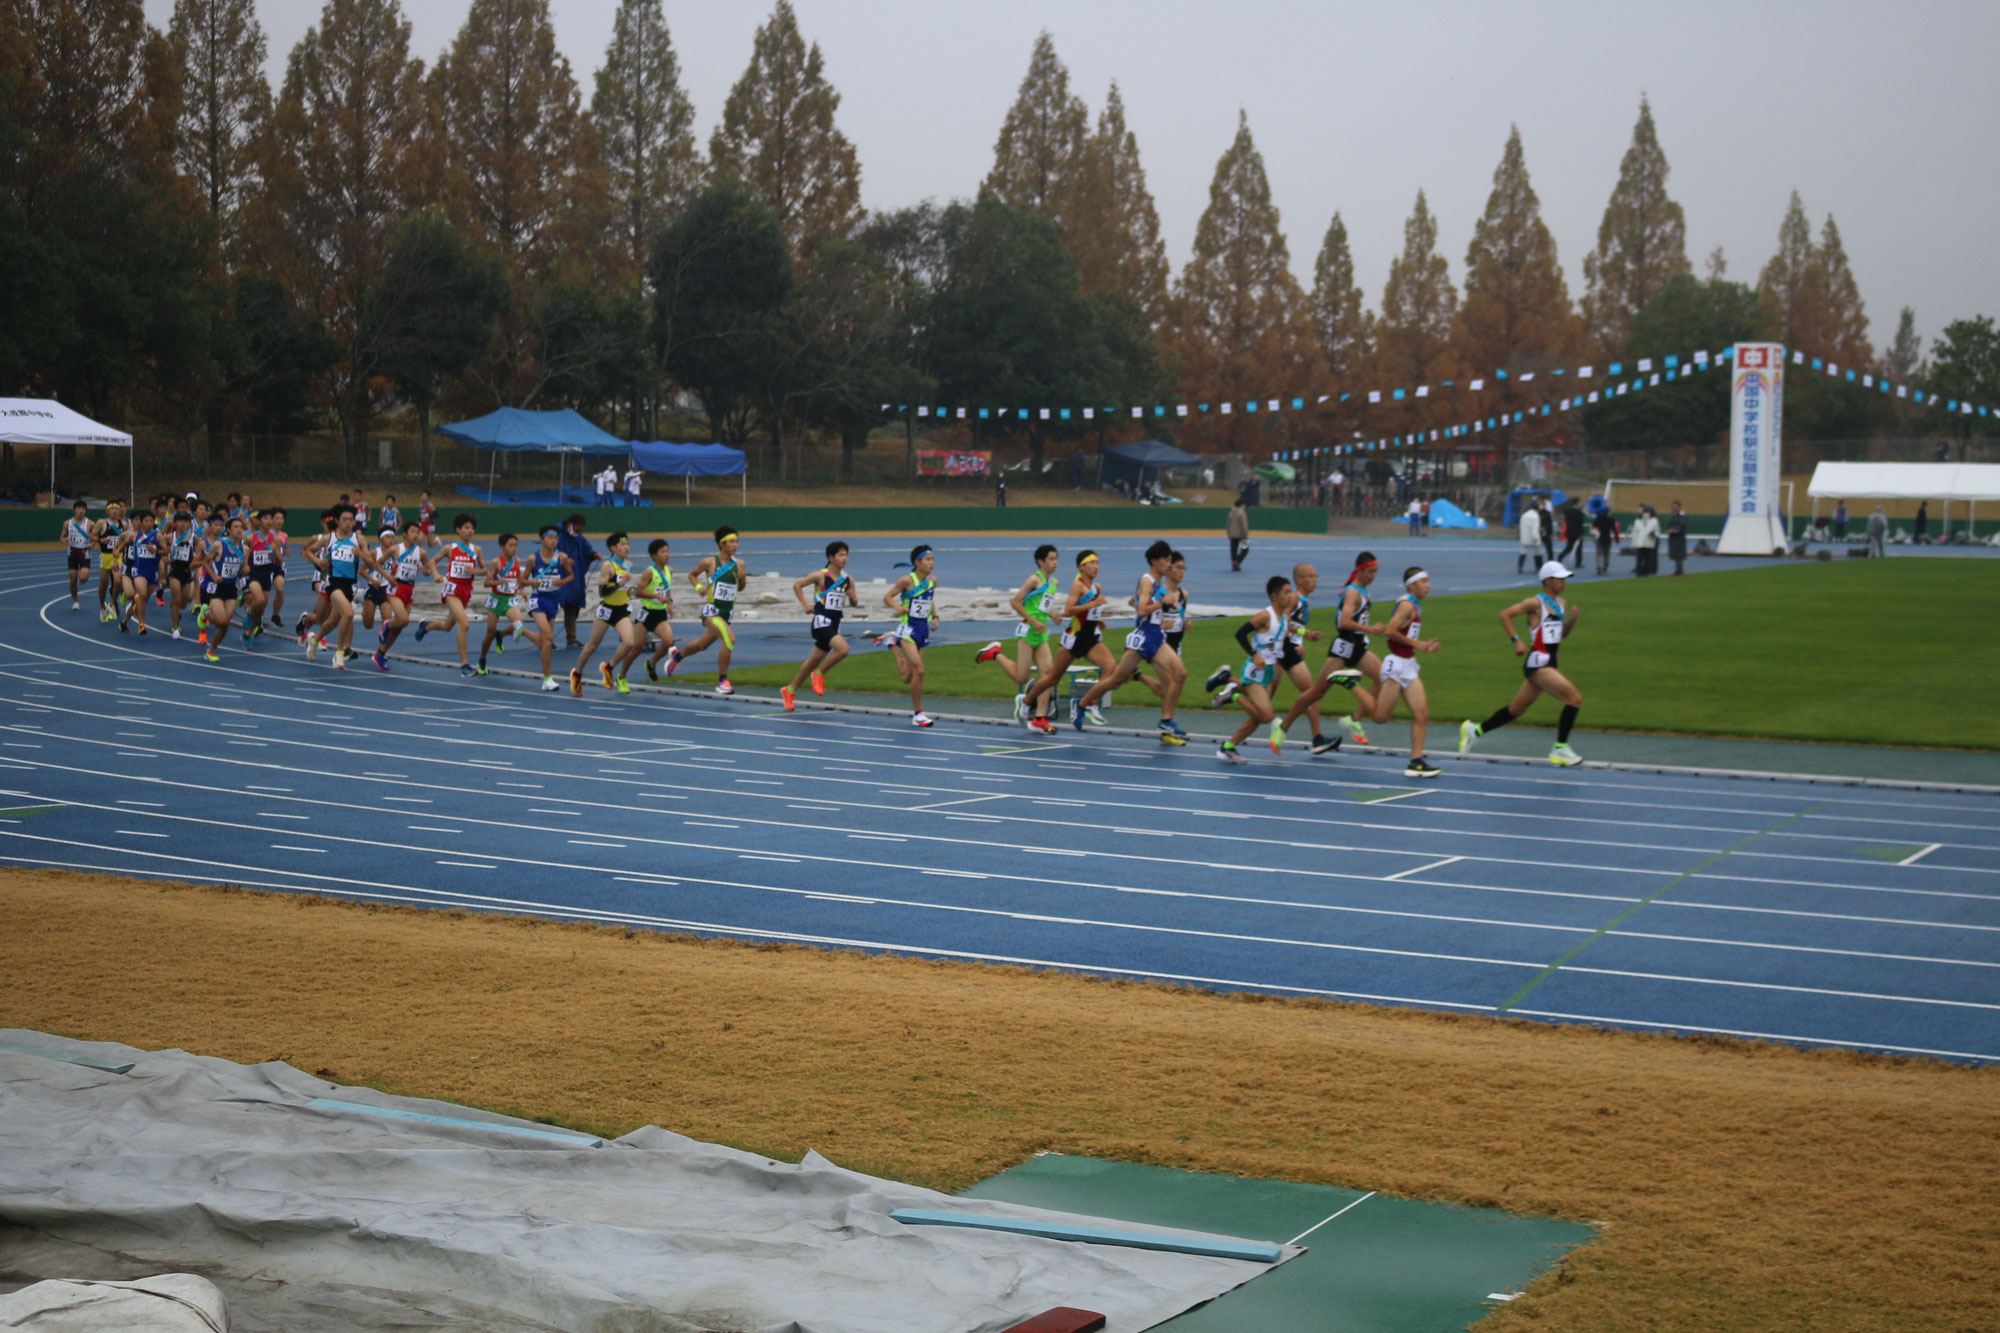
(1519, 761)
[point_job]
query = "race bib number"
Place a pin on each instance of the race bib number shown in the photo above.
(1069, 638)
(604, 613)
(1536, 661)
(1345, 649)
(1552, 631)
(722, 592)
(1136, 640)
(822, 622)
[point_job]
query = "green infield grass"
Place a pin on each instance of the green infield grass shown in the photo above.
(1883, 652)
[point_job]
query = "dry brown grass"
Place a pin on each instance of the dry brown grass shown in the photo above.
(1739, 1186)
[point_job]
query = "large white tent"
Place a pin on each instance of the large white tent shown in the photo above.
(1970, 482)
(46, 421)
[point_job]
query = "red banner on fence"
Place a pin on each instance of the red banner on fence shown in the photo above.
(954, 462)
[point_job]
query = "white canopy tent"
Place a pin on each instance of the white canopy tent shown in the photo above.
(46, 421)
(1970, 482)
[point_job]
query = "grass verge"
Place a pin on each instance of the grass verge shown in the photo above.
(1740, 1186)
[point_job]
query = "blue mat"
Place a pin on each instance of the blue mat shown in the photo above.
(544, 495)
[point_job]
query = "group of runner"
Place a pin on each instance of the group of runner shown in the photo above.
(228, 562)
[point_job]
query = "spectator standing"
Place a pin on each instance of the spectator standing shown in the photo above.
(1076, 469)
(633, 478)
(1548, 528)
(1606, 527)
(1677, 538)
(1878, 533)
(1572, 520)
(1339, 480)
(572, 543)
(1840, 522)
(1426, 516)
(1415, 515)
(1238, 530)
(1531, 538)
(999, 490)
(1920, 531)
(602, 492)
(1646, 542)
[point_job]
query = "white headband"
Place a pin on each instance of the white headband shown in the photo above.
(1411, 581)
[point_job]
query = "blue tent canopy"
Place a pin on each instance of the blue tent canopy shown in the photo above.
(1138, 463)
(1445, 514)
(516, 430)
(689, 460)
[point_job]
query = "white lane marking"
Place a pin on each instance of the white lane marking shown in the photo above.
(877, 837)
(432, 828)
(963, 800)
(251, 786)
(537, 810)
(1418, 870)
(762, 856)
(136, 833)
(530, 786)
(760, 782)
(149, 805)
(469, 865)
(1324, 1220)
(585, 842)
(274, 814)
(282, 847)
(1913, 859)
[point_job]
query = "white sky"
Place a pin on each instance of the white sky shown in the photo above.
(1884, 115)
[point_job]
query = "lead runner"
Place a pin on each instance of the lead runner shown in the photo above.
(1551, 620)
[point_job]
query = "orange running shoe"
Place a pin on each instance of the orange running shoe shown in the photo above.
(604, 668)
(818, 683)
(785, 694)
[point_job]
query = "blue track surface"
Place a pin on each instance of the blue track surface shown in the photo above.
(1644, 901)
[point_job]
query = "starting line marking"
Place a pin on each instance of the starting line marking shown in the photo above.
(1421, 869)
(1912, 860)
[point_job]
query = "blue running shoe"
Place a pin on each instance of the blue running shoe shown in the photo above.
(423, 628)
(1172, 728)
(467, 670)
(1076, 713)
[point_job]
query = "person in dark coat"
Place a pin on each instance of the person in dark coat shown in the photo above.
(577, 547)
(1921, 531)
(1572, 518)
(1677, 538)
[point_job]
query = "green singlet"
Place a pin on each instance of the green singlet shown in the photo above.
(722, 589)
(1038, 602)
(657, 579)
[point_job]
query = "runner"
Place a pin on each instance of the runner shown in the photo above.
(1551, 619)
(205, 551)
(720, 579)
(1265, 644)
(503, 598)
(832, 591)
(281, 544)
(462, 564)
(391, 517)
(914, 598)
(1399, 672)
(107, 531)
(1348, 660)
(312, 625)
(76, 538)
(550, 571)
(427, 520)
(260, 580)
(1083, 613)
(344, 556)
(375, 593)
(410, 560)
(614, 589)
(140, 548)
(1035, 602)
(656, 604)
(1146, 643)
(221, 567)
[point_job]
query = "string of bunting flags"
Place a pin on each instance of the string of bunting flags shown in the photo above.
(1646, 373)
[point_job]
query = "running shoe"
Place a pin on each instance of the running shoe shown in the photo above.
(142, 631)
(1076, 713)
(1226, 752)
(1354, 730)
(381, 660)
(883, 640)
(1168, 738)
(1021, 706)
(1096, 718)
(423, 628)
(1562, 756)
(624, 687)
(500, 644)
(339, 660)
(576, 681)
(124, 625)
(1216, 679)
(1421, 768)
(479, 670)
(210, 655)
(922, 720)
(1346, 677)
(160, 599)
(786, 697)
(177, 634)
(989, 652)
(604, 670)
(1325, 744)
(652, 672)
(673, 659)
(1468, 732)
(1228, 694)
(1042, 725)
(724, 687)
(75, 605)
(819, 682)
(312, 646)
(104, 616)
(549, 685)
(1277, 737)
(1171, 732)
(201, 618)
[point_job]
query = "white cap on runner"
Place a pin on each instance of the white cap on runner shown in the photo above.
(1554, 570)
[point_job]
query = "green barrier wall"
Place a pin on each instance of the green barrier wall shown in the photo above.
(43, 525)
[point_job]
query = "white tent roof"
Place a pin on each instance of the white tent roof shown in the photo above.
(1907, 481)
(45, 421)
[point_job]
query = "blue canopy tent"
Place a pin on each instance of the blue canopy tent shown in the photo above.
(1445, 514)
(1140, 462)
(692, 460)
(515, 430)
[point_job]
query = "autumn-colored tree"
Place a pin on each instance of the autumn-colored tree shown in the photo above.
(1115, 238)
(1812, 294)
(1787, 280)
(1039, 159)
(1343, 325)
(645, 127)
(1904, 357)
(1415, 334)
(1517, 315)
(1241, 324)
(351, 158)
(1841, 317)
(219, 51)
(778, 137)
(1641, 242)
(93, 88)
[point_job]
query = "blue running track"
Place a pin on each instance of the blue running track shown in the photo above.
(1819, 915)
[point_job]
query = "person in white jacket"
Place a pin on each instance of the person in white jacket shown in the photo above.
(1646, 541)
(1531, 539)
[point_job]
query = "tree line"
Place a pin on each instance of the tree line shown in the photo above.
(183, 246)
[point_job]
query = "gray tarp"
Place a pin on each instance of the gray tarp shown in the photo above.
(313, 1219)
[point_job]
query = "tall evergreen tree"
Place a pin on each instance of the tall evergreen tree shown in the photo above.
(645, 127)
(219, 50)
(1841, 317)
(1116, 236)
(778, 137)
(1242, 328)
(1343, 326)
(1414, 336)
(1039, 161)
(1641, 242)
(1904, 357)
(1788, 279)
(1517, 314)
(352, 156)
